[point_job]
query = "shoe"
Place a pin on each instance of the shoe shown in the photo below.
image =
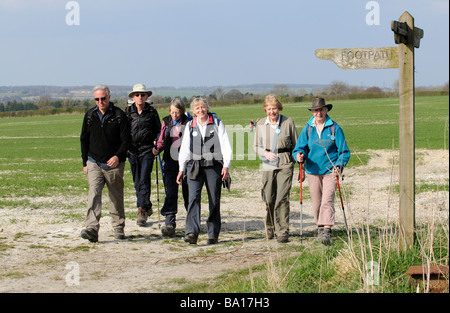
(168, 230)
(190, 238)
(119, 233)
(283, 239)
(319, 233)
(90, 235)
(212, 241)
(142, 217)
(269, 233)
(326, 237)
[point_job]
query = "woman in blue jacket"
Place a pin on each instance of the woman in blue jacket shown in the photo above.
(322, 147)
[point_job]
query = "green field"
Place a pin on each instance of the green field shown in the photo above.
(40, 156)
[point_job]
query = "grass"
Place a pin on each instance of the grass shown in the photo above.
(340, 268)
(40, 157)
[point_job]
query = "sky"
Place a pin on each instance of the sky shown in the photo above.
(197, 43)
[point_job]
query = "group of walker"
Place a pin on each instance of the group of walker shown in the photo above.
(197, 152)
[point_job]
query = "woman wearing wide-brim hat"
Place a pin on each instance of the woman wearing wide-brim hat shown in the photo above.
(145, 126)
(323, 148)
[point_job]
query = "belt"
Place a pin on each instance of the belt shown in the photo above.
(283, 150)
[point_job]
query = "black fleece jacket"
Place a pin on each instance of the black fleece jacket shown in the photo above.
(103, 141)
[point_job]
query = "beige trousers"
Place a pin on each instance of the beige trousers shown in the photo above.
(275, 193)
(323, 189)
(97, 178)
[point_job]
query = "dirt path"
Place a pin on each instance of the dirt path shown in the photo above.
(41, 250)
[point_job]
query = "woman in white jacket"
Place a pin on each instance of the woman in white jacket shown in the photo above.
(205, 156)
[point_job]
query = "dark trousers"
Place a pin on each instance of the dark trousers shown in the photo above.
(212, 178)
(141, 169)
(170, 207)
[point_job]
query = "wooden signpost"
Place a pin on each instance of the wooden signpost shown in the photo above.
(361, 58)
(402, 57)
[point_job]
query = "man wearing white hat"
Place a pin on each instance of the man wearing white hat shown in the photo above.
(145, 126)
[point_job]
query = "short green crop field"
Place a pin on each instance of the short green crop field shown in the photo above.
(40, 156)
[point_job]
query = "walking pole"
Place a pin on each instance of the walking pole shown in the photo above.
(160, 164)
(342, 205)
(300, 177)
(157, 192)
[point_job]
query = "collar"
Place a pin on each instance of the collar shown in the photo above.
(146, 106)
(110, 108)
(328, 121)
(268, 121)
(209, 121)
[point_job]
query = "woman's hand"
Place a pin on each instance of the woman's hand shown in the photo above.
(337, 171)
(224, 173)
(179, 177)
(270, 156)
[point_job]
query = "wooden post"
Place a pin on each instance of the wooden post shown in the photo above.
(408, 38)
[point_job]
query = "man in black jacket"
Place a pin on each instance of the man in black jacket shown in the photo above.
(105, 139)
(145, 126)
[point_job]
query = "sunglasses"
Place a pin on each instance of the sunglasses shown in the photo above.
(100, 99)
(140, 95)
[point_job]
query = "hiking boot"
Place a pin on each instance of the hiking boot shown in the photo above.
(325, 238)
(190, 238)
(90, 235)
(319, 232)
(212, 241)
(142, 217)
(270, 233)
(119, 233)
(283, 239)
(168, 230)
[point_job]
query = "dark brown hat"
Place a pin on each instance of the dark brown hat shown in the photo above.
(318, 103)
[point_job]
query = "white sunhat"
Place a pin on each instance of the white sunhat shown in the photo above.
(139, 88)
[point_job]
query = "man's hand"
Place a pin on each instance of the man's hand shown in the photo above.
(113, 162)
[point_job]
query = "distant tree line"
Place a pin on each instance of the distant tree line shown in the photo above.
(219, 97)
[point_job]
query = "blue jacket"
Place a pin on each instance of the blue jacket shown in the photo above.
(319, 151)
